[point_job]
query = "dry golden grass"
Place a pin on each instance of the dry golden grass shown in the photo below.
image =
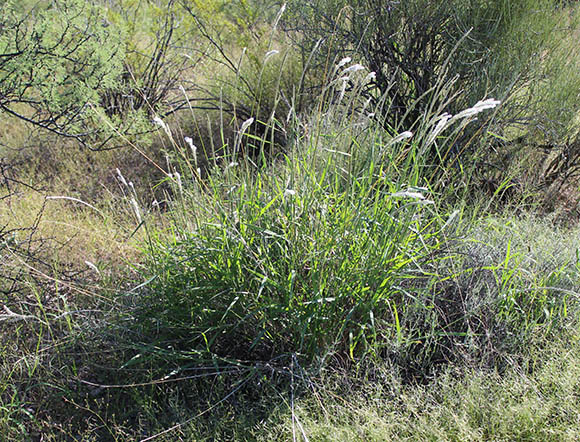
(79, 233)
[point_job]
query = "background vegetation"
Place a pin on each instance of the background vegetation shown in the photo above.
(242, 220)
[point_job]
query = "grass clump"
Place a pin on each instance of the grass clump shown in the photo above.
(278, 268)
(309, 256)
(339, 251)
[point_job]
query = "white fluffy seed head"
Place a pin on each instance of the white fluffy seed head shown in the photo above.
(159, 122)
(136, 209)
(246, 124)
(270, 54)
(122, 178)
(192, 146)
(354, 68)
(342, 88)
(441, 125)
(402, 136)
(177, 177)
(479, 107)
(344, 61)
(93, 267)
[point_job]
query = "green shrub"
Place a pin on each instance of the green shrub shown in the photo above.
(56, 59)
